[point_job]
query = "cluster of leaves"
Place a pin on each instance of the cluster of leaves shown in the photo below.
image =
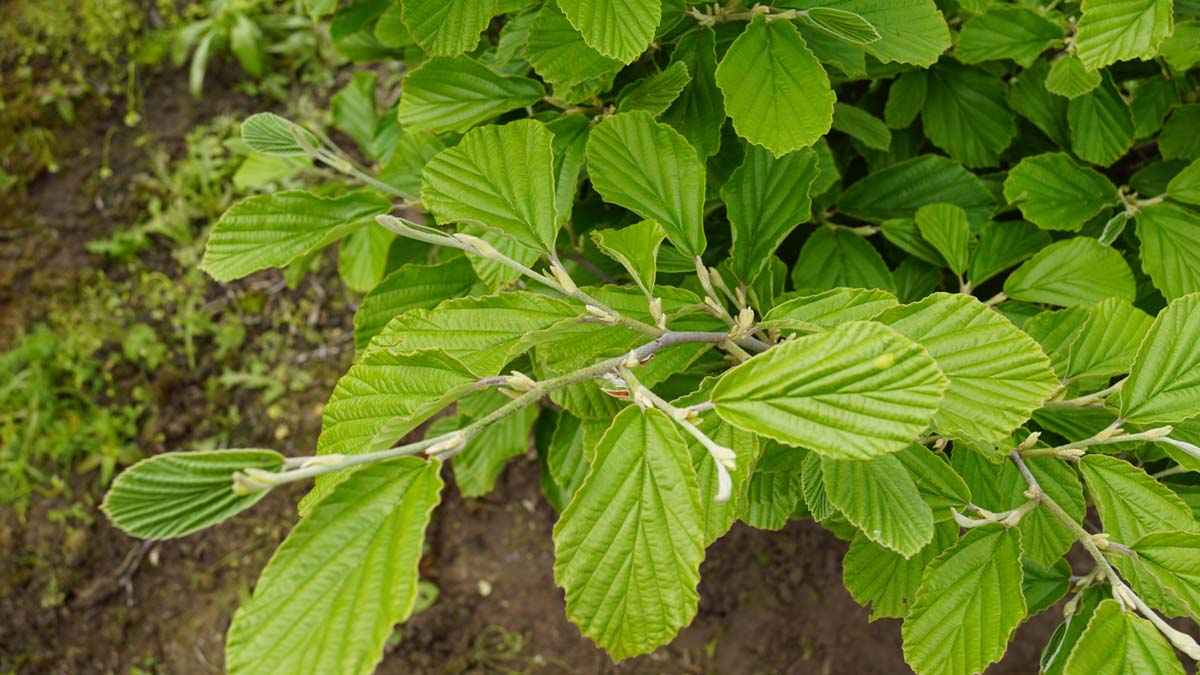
(738, 249)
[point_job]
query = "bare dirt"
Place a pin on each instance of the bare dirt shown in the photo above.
(82, 598)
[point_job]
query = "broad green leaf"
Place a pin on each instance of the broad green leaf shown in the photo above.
(855, 392)
(656, 93)
(899, 190)
(810, 313)
(574, 441)
(648, 168)
(887, 580)
(720, 516)
(842, 24)
(1108, 340)
(1078, 271)
(770, 500)
(1070, 78)
(570, 142)
(966, 114)
(1003, 244)
(1131, 503)
(905, 99)
(862, 125)
(839, 55)
(1030, 98)
(1170, 237)
(812, 489)
(272, 230)
(559, 53)
(620, 29)
(447, 27)
(177, 493)
(1164, 381)
(1055, 193)
(881, 500)
(632, 590)
(1043, 538)
(345, 576)
(945, 227)
(1178, 139)
(455, 94)
(1121, 30)
(940, 486)
(1101, 125)
(1181, 50)
(411, 153)
(271, 134)
(766, 198)
(699, 111)
(481, 333)
(837, 257)
(1184, 187)
(904, 233)
(484, 457)
(1152, 101)
(353, 109)
(911, 31)
(636, 248)
(1173, 558)
(382, 398)
(775, 90)
(410, 287)
(968, 605)
(1066, 636)
(998, 375)
(1006, 32)
(363, 257)
(494, 274)
(1042, 586)
(1056, 331)
(1118, 642)
(500, 177)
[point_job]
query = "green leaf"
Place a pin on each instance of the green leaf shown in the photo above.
(570, 141)
(573, 442)
(411, 153)
(810, 313)
(776, 91)
(481, 333)
(862, 125)
(353, 109)
(1164, 381)
(329, 598)
(911, 31)
(1108, 340)
(559, 53)
(945, 227)
(766, 198)
(277, 136)
(1101, 125)
(1070, 78)
(1003, 244)
(656, 93)
(905, 99)
(455, 94)
(494, 274)
(1067, 273)
(1170, 237)
(998, 375)
(699, 112)
(178, 493)
(1056, 193)
(363, 257)
(1178, 139)
(719, 516)
(410, 287)
(940, 486)
(620, 29)
(447, 27)
(1120, 30)
(648, 168)
(1173, 558)
(833, 258)
(904, 233)
(632, 590)
(484, 457)
(636, 248)
(1043, 538)
(881, 500)
(902, 188)
(966, 114)
(968, 605)
(1117, 642)
(855, 392)
(887, 580)
(500, 177)
(1005, 32)
(843, 25)
(273, 230)
(1184, 187)
(1066, 636)
(1131, 503)
(1042, 586)
(1048, 112)
(770, 500)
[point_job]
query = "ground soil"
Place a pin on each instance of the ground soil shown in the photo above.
(86, 599)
